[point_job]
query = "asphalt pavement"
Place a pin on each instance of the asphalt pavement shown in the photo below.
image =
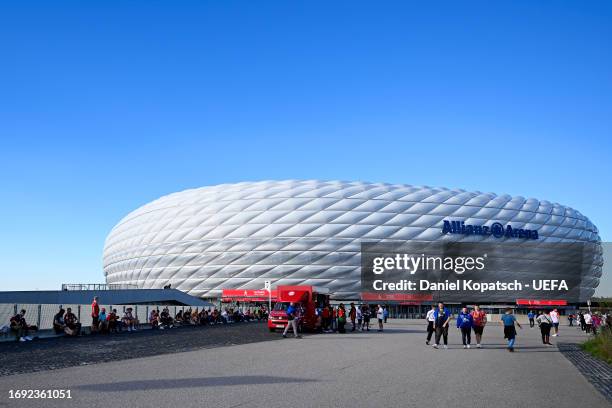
(362, 369)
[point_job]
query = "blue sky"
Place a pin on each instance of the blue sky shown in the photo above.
(104, 107)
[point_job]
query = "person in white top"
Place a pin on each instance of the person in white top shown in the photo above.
(430, 323)
(588, 321)
(359, 318)
(554, 315)
(380, 315)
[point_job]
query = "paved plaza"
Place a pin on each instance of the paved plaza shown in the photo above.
(390, 369)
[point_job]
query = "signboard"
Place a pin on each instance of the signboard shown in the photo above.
(247, 295)
(541, 302)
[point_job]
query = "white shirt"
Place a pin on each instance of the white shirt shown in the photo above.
(430, 315)
(554, 316)
(358, 313)
(587, 318)
(380, 314)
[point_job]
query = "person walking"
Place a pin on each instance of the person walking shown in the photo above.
(595, 322)
(367, 313)
(554, 315)
(359, 318)
(465, 322)
(545, 323)
(341, 313)
(588, 322)
(479, 318)
(582, 321)
(353, 316)
(291, 320)
(430, 323)
(441, 318)
(570, 319)
(380, 315)
(509, 321)
(531, 316)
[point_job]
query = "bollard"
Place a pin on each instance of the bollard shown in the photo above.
(38, 318)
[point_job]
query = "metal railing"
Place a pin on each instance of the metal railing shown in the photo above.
(97, 286)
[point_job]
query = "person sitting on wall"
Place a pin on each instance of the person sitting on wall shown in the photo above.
(58, 322)
(129, 320)
(187, 316)
(154, 319)
(112, 320)
(165, 319)
(20, 327)
(73, 327)
(178, 318)
(102, 321)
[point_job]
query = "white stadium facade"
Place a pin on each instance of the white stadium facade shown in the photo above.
(237, 236)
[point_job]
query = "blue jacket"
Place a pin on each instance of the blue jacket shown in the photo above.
(446, 313)
(465, 320)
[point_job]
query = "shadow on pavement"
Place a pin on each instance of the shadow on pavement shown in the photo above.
(158, 384)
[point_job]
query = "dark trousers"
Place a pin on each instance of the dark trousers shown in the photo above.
(430, 330)
(545, 331)
(442, 332)
(531, 323)
(466, 335)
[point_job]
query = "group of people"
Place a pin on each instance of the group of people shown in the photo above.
(333, 319)
(105, 323)
(164, 320)
(438, 322)
(592, 323)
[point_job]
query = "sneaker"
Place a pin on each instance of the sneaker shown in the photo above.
(468, 346)
(161, 327)
(284, 336)
(29, 338)
(427, 342)
(478, 346)
(554, 335)
(445, 346)
(464, 346)
(435, 346)
(129, 329)
(22, 339)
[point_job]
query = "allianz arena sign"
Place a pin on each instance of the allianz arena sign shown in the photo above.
(496, 230)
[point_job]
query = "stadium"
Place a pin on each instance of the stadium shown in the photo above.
(237, 236)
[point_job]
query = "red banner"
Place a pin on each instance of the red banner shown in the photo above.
(247, 295)
(541, 302)
(398, 297)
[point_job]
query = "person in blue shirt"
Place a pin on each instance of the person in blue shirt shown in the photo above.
(465, 321)
(292, 320)
(531, 316)
(509, 330)
(441, 318)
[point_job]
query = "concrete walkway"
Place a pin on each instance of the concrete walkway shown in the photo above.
(390, 369)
